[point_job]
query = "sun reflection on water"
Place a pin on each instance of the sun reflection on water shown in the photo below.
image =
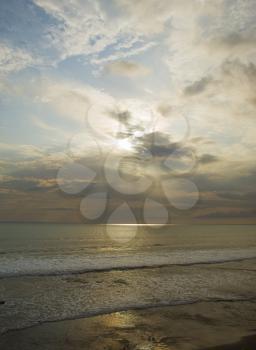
(129, 321)
(120, 320)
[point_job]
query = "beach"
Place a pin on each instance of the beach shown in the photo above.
(204, 325)
(197, 297)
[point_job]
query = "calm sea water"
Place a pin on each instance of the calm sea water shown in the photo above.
(54, 272)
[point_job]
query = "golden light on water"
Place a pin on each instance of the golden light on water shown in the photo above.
(129, 321)
(120, 320)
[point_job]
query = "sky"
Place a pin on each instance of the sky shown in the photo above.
(122, 110)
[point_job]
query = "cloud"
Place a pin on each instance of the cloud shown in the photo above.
(164, 109)
(43, 125)
(231, 91)
(230, 214)
(77, 25)
(236, 39)
(14, 152)
(47, 32)
(201, 56)
(28, 184)
(127, 69)
(158, 143)
(148, 17)
(215, 32)
(247, 196)
(68, 99)
(58, 133)
(87, 28)
(208, 158)
(220, 179)
(119, 55)
(198, 86)
(37, 177)
(14, 59)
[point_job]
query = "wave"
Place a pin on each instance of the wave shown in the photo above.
(48, 265)
(132, 307)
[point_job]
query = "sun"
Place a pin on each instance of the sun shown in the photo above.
(124, 144)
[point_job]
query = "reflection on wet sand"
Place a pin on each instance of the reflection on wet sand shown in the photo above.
(121, 320)
(129, 321)
(206, 325)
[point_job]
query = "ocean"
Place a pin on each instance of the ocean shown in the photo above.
(52, 272)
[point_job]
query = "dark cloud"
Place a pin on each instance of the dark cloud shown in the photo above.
(37, 171)
(248, 196)
(27, 185)
(207, 159)
(158, 144)
(127, 128)
(229, 214)
(35, 182)
(233, 67)
(235, 39)
(123, 117)
(198, 86)
(35, 200)
(234, 182)
(164, 109)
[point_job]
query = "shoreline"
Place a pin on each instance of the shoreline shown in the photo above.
(137, 308)
(207, 325)
(102, 294)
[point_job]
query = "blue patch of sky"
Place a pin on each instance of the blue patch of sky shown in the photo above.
(77, 69)
(19, 127)
(24, 25)
(18, 110)
(114, 47)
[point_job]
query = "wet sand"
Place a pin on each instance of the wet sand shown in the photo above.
(203, 325)
(245, 343)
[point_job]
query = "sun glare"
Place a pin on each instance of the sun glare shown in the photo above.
(124, 144)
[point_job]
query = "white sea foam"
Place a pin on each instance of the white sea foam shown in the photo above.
(20, 265)
(33, 300)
